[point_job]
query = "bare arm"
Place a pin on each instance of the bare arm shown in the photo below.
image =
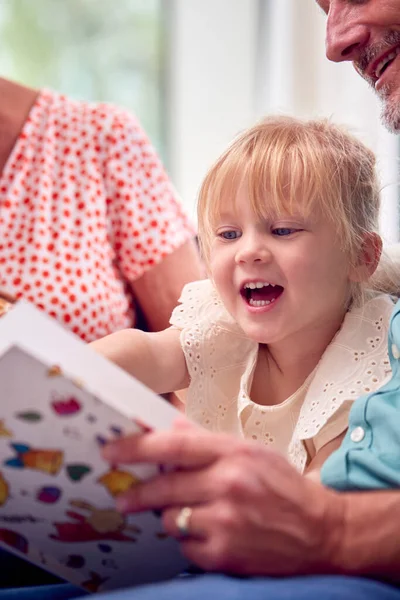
(156, 359)
(371, 540)
(158, 290)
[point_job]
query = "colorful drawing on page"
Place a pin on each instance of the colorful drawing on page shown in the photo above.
(101, 440)
(31, 416)
(48, 461)
(49, 494)
(93, 584)
(14, 539)
(76, 472)
(74, 561)
(54, 371)
(117, 431)
(4, 432)
(65, 406)
(109, 563)
(98, 525)
(117, 481)
(72, 433)
(4, 490)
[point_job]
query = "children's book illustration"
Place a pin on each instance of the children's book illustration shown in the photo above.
(57, 494)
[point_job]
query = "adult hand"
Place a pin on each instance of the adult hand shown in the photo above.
(252, 513)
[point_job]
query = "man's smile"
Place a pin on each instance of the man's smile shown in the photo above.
(379, 65)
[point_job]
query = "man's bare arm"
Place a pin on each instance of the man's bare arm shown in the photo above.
(371, 538)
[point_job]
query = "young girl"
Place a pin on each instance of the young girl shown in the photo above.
(286, 333)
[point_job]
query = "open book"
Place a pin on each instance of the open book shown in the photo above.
(60, 402)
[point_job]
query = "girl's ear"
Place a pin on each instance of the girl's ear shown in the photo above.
(368, 258)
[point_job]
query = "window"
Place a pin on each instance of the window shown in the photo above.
(96, 50)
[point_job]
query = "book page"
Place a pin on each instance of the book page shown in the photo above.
(60, 403)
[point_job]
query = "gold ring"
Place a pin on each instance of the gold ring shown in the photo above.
(182, 521)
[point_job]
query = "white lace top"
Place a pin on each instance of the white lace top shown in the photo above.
(221, 360)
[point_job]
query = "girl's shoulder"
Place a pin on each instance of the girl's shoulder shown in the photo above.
(362, 323)
(355, 363)
(200, 305)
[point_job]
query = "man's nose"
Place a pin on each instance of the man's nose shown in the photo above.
(345, 37)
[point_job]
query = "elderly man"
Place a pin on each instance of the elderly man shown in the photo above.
(368, 34)
(267, 520)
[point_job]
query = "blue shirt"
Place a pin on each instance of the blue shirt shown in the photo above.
(369, 456)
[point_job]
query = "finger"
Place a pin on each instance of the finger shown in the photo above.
(201, 545)
(186, 448)
(181, 423)
(204, 553)
(176, 488)
(196, 529)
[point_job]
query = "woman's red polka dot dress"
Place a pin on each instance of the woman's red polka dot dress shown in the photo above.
(85, 208)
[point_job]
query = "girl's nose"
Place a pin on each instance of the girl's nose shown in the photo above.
(253, 250)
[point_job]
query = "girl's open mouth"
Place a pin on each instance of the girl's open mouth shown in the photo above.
(260, 293)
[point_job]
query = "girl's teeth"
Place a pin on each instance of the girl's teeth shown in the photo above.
(257, 284)
(260, 302)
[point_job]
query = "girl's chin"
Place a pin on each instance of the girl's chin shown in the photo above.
(259, 335)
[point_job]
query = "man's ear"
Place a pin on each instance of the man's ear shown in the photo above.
(368, 257)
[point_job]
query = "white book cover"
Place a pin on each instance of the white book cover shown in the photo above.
(59, 403)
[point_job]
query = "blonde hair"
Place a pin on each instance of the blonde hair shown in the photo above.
(286, 160)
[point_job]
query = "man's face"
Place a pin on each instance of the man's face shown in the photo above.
(367, 33)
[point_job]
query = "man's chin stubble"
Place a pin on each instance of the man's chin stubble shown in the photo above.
(390, 113)
(390, 116)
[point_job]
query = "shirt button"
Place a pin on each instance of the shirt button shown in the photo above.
(395, 351)
(357, 435)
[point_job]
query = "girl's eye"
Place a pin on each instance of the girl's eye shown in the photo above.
(283, 231)
(229, 235)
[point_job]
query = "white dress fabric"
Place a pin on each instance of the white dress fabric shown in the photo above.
(221, 361)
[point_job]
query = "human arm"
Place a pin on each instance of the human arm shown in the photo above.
(158, 289)
(149, 230)
(253, 514)
(156, 359)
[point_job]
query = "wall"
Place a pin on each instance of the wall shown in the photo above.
(211, 86)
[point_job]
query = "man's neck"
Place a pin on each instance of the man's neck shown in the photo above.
(15, 103)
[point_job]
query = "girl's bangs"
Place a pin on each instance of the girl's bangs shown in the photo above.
(289, 170)
(282, 184)
(297, 176)
(219, 190)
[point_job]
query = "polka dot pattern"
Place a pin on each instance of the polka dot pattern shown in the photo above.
(85, 209)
